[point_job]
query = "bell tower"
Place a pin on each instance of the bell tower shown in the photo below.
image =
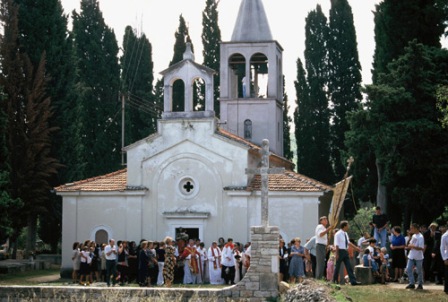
(251, 75)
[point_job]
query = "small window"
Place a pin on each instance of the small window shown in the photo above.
(188, 187)
(248, 129)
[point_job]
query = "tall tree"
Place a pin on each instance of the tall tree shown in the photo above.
(398, 22)
(98, 82)
(43, 28)
(314, 115)
(28, 132)
(408, 139)
(392, 34)
(6, 202)
(287, 152)
(302, 121)
(182, 37)
(211, 41)
(344, 85)
(137, 78)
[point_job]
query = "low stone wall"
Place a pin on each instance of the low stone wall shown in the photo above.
(116, 294)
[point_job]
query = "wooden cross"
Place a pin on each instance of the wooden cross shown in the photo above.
(264, 171)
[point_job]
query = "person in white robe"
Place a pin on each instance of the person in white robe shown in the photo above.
(191, 268)
(203, 272)
(237, 255)
(214, 264)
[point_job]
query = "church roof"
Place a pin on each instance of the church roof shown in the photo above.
(274, 157)
(251, 24)
(115, 181)
(289, 181)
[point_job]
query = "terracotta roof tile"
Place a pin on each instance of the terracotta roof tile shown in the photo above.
(289, 181)
(115, 181)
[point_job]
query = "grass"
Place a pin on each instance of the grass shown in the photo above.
(28, 277)
(375, 293)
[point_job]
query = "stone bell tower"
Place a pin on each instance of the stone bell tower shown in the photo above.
(251, 75)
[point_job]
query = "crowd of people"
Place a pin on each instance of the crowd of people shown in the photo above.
(169, 261)
(421, 253)
(330, 254)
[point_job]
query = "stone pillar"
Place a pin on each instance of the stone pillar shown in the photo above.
(261, 280)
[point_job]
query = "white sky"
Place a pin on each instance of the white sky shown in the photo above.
(159, 20)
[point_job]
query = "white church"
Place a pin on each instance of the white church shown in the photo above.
(191, 174)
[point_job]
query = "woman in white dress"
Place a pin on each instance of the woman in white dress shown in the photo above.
(76, 262)
(214, 264)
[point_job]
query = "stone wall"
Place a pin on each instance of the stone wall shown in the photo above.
(259, 284)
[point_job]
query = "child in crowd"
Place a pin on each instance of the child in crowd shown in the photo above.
(330, 267)
(367, 261)
(384, 258)
(85, 266)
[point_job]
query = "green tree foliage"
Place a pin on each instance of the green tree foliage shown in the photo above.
(392, 34)
(406, 136)
(344, 85)
(6, 202)
(360, 222)
(182, 37)
(43, 28)
(137, 78)
(442, 104)
(287, 120)
(302, 122)
(28, 132)
(398, 22)
(211, 41)
(313, 115)
(97, 87)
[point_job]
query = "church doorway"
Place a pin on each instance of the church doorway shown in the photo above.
(193, 233)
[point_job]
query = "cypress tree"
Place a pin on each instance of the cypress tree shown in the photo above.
(137, 78)
(408, 139)
(43, 28)
(344, 84)
(97, 83)
(287, 152)
(398, 22)
(28, 132)
(314, 135)
(6, 202)
(211, 41)
(302, 121)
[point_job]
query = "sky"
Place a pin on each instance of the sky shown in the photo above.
(159, 20)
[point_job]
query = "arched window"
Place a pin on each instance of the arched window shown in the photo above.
(178, 97)
(248, 129)
(101, 236)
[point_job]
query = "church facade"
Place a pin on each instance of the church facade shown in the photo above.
(191, 174)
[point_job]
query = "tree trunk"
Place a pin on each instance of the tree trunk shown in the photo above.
(31, 235)
(381, 195)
